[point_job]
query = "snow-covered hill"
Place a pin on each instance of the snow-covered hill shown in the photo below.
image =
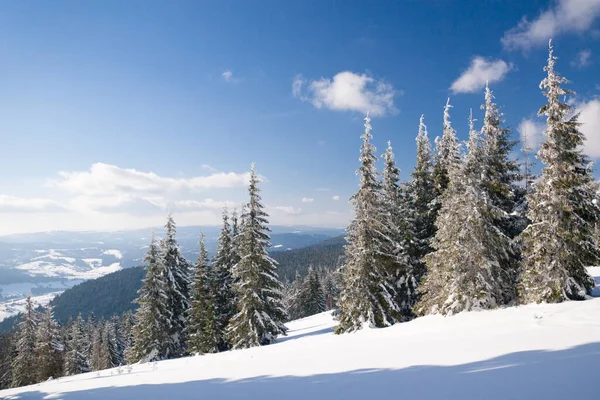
(529, 352)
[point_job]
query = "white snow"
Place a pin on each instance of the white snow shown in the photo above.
(12, 307)
(528, 352)
(115, 253)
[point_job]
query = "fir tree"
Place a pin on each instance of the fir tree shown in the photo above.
(152, 318)
(261, 313)
(367, 296)
(48, 347)
(109, 350)
(559, 243)
(448, 155)
(423, 197)
(7, 353)
(311, 296)
(176, 274)
(76, 361)
(222, 283)
(396, 211)
(464, 271)
(202, 329)
(24, 370)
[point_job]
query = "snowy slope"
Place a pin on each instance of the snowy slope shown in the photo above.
(12, 307)
(535, 352)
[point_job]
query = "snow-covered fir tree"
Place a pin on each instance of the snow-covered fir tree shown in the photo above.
(559, 243)
(202, 329)
(222, 283)
(261, 313)
(464, 270)
(7, 353)
(127, 324)
(422, 195)
(396, 210)
(367, 295)
(448, 155)
(176, 274)
(152, 318)
(48, 347)
(24, 365)
(110, 355)
(76, 361)
(311, 296)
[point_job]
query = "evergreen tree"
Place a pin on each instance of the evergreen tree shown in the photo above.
(24, 370)
(7, 353)
(202, 329)
(312, 298)
(109, 350)
(97, 360)
(447, 157)
(127, 324)
(261, 313)
(367, 296)
(152, 318)
(76, 361)
(464, 271)
(396, 210)
(559, 243)
(176, 274)
(222, 283)
(48, 347)
(423, 197)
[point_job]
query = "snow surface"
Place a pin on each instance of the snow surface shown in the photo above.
(528, 352)
(12, 307)
(116, 253)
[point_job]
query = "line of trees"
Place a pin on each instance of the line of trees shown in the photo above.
(465, 233)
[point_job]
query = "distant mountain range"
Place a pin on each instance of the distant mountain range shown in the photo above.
(51, 262)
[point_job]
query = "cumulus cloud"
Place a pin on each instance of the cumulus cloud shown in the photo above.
(288, 210)
(12, 204)
(103, 179)
(335, 198)
(564, 16)
(307, 200)
(589, 117)
(347, 91)
(531, 132)
(582, 60)
(479, 72)
(228, 76)
(193, 205)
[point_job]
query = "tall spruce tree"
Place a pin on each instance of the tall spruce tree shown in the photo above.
(7, 353)
(464, 271)
(368, 296)
(76, 361)
(423, 196)
(447, 157)
(176, 274)
(202, 329)
(48, 347)
(261, 313)
(397, 210)
(559, 243)
(311, 296)
(222, 283)
(24, 370)
(152, 318)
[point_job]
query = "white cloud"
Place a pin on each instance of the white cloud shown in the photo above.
(228, 76)
(582, 60)
(193, 205)
(12, 204)
(335, 198)
(531, 132)
(479, 72)
(564, 16)
(119, 204)
(307, 200)
(589, 117)
(347, 91)
(288, 210)
(106, 179)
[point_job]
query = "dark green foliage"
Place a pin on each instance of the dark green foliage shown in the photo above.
(23, 364)
(328, 254)
(7, 353)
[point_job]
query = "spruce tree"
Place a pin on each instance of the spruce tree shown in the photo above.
(222, 283)
(423, 195)
(464, 270)
(24, 370)
(396, 210)
(368, 296)
(152, 318)
(311, 296)
(202, 329)
(7, 353)
(559, 243)
(76, 361)
(261, 313)
(447, 157)
(176, 274)
(48, 347)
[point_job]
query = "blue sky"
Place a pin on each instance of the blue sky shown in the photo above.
(112, 112)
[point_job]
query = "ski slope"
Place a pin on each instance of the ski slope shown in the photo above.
(534, 352)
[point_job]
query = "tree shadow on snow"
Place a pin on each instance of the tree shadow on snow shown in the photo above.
(562, 374)
(323, 331)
